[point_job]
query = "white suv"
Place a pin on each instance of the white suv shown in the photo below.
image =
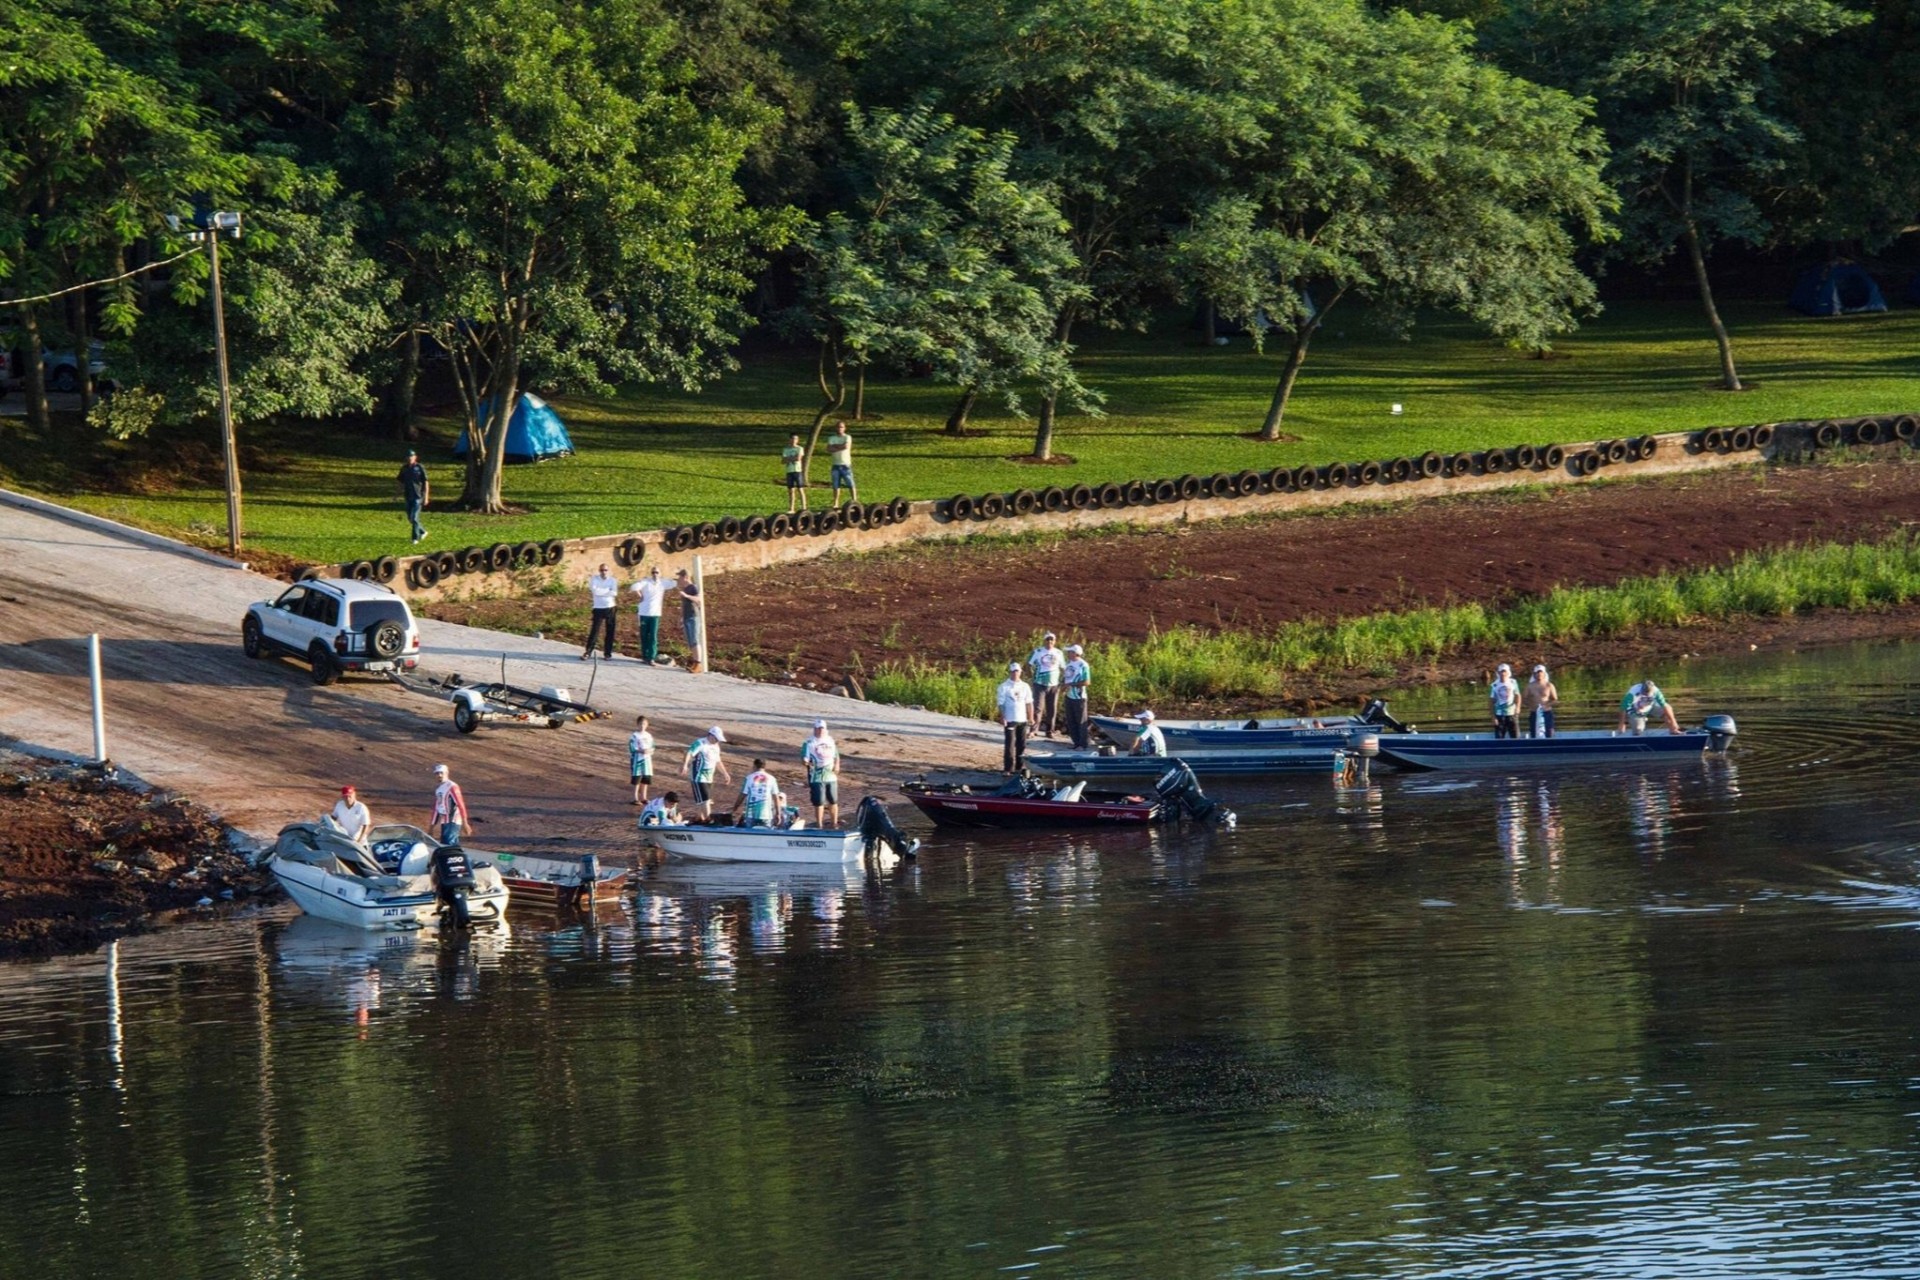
(335, 625)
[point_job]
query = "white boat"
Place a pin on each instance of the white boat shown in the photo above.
(533, 880)
(331, 877)
(783, 844)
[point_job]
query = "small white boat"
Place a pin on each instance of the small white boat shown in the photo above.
(331, 877)
(784, 844)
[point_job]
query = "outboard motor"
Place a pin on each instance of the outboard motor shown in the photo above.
(876, 828)
(1720, 731)
(1376, 713)
(452, 881)
(1179, 792)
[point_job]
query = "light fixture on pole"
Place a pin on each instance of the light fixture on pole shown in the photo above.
(207, 226)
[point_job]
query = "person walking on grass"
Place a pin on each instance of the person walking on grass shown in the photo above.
(449, 817)
(840, 453)
(415, 491)
(795, 458)
(604, 589)
(690, 611)
(1642, 702)
(651, 589)
(1504, 697)
(1048, 664)
(1540, 700)
(762, 797)
(640, 759)
(1074, 679)
(821, 755)
(702, 763)
(1015, 701)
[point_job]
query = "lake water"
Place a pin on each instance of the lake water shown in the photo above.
(1441, 1026)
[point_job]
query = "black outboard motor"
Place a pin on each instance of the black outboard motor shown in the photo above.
(876, 828)
(1376, 713)
(1180, 793)
(452, 881)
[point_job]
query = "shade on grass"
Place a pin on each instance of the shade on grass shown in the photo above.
(651, 458)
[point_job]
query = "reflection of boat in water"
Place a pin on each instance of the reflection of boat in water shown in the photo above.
(359, 967)
(331, 877)
(1597, 747)
(747, 879)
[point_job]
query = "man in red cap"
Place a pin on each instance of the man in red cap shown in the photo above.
(351, 816)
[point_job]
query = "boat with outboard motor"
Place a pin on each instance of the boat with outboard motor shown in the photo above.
(1025, 801)
(1252, 734)
(332, 877)
(1594, 747)
(1072, 766)
(532, 880)
(872, 832)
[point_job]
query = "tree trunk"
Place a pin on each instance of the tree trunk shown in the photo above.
(1729, 376)
(1209, 321)
(35, 372)
(396, 406)
(1289, 373)
(833, 394)
(957, 420)
(860, 392)
(1043, 432)
(82, 350)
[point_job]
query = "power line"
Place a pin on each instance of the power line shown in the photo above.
(91, 284)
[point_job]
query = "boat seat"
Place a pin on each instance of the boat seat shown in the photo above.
(1071, 791)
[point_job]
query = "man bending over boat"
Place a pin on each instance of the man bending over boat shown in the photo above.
(762, 797)
(1151, 741)
(702, 762)
(662, 811)
(1642, 702)
(351, 816)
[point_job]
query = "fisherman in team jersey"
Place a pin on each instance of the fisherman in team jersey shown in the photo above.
(821, 755)
(1641, 703)
(761, 796)
(702, 763)
(640, 759)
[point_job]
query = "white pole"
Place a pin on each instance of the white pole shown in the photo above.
(700, 611)
(99, 705)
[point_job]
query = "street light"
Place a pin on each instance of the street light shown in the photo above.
(207, 226)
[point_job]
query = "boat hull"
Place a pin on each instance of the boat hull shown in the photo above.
(954, 810)
(756, 844)
(1596, 748)
(361, 905)
(1205, 764)
(1184, 736)
(554, 883)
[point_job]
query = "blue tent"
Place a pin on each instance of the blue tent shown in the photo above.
(1838, 289)
(536, 431)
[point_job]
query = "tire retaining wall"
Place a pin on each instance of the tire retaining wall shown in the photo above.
(756, 542)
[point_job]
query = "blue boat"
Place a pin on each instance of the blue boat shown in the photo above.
(1205, 764)
(1603, 748)
(1254, 733)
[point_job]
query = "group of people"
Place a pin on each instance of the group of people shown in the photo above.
(839, 453)
(1056, 698)
(1536, 702)
(447, 816)
(761, 801)
(604, 590)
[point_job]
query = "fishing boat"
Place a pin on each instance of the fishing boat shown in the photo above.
(331, 877)
(1255, 733)
(1026, 801)
(532, 880)
(1594, 747)
(1146, 770)
(872, 831)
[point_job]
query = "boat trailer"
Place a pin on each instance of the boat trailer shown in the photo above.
(499, 702)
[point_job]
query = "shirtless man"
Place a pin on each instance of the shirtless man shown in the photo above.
(1540, 699)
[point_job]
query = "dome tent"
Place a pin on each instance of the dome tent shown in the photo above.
(534, 433)
(1836, 289)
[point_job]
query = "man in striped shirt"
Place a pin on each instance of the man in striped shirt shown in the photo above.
(822, 756)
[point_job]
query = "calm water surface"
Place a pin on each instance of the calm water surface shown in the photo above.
(1462, 1026)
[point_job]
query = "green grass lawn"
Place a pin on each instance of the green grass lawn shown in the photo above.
(651, 458)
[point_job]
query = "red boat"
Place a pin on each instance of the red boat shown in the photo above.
(1027, 802)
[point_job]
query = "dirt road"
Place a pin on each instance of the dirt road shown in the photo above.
(261, 745)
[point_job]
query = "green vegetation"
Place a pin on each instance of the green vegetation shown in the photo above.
(655, 458)
(1187, 663)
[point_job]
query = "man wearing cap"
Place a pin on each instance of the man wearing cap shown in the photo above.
(604, 589)
(762, 797)
(449, 816)
(1015, 701)
(1504, 696)
(702, 763)
(1540, 699)
(822, 757)
(651, 590)
(689, 615)
(1074, 678)
(1047, 664)
(351, 816)
(1150, 742)
(415, 492)
(1641, 702)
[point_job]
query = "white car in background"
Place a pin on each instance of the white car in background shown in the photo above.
(334, 625)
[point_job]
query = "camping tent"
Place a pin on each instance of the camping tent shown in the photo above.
(536, 431)
(1840, 288)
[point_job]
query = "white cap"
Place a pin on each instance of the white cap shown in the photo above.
(1051, 636)
(440, 768)
(819, 724)
(1539, 668)
(1013, 666)
(1143, 715)
(713, 731)
(1074, 648)
(1504, 667)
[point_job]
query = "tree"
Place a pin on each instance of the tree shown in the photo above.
(1687, 94)
(1393, 164)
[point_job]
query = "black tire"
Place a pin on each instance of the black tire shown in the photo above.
(1649, 445)
(899, 509)
(1368, 473)
(554, 551)
(1054, 498)
(1710, 440)
(309, 573)
(729, 527)
(1432, 465)
(1462, 464)
(779, 525)
(500, 555)
(359, 570)
(685, 538)
(1866, 431)
(1136, 493)
(1166, 491)
(1740, 440)
(1763, 436)
(464, 718)
(1305, 478)
(447, 563)
(826, 520)
(1080, 497)
(1905, 427)
(473, 559)
(1555, 456)
(1403, 470)
(1590, 462)
(707, 534)
(960, 507)
(1251, 483)
(1617, 451)
(424, 571)
(1110, 495)
(526, 555)
(1493, 461)
(622, 552)
(322, 668)
(386, 639)
(1826, 434)
(386, 568)
(1192, 486)
(1338, 475)
(755, 529)
(1525, 456)
(250, 643)
(993, 505)
(1280, 480)
(1023, 502)
(65, 378)
(1222, 485)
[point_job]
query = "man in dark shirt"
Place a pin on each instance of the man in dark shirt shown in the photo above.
(690, 616)
(416, 491)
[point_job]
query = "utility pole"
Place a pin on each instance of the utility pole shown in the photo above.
(208, 226)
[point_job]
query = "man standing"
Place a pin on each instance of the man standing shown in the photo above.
(796, 459)
(640, 759)
(351, 816)
(1075, 679)
(762, 797)
(840, 453)
(1504, 697)
(1015, 700)
(822, 757)
(1641, 702)
(690, 615)
(1540, 699)
(1150, 742)
(1048, 664)
(605, 590)
(415, 492)
(651, 591)
(449, 816)
(702, 762)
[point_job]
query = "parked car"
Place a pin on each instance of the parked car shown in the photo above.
(334, 625)
(62, 367)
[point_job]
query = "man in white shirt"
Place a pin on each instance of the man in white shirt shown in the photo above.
(1015, 701)
(449, 817)
(762, 797)
(640, 759)
(821, 755)
(651, 590)
(662, 811)
(605, 590)
(702, 763)
(1048, 665)
(1075, 680)
(1151, 741)
(351, 816)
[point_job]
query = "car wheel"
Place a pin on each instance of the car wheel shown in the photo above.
(250, 638)
(324, 670)
(464, 719)
(65, 379)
